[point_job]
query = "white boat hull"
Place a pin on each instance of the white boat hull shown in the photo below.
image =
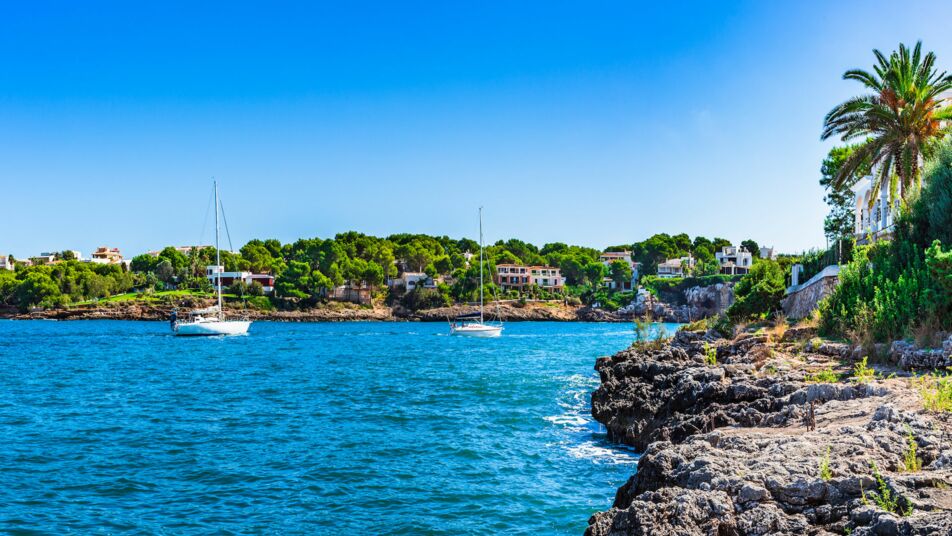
(476, 330)
(212, 327)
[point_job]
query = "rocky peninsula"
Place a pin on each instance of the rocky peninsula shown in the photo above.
(773, 433)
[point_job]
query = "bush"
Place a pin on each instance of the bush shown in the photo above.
(758, 293)
(262, 303)
(898, 289)
(888, 291)
(238, 288)
(426, 298)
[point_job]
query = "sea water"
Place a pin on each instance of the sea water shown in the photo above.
(111, 427)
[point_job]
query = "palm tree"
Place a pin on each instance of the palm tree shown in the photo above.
(901, 121)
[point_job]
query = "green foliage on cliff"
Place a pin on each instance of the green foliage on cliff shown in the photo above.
(758, 294)
(900, 288)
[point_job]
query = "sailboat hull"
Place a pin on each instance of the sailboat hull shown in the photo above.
(476, 330)
(212, 328)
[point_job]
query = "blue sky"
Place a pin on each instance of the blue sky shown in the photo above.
(574, 122)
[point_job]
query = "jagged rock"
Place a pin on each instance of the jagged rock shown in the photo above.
(909, 356)
(799, 334)
(727, 450)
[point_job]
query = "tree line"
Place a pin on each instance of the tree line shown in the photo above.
(306, 269)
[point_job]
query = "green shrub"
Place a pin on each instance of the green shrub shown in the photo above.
(710, 355)
(262, 303)
(884, 497)
(824, 376)
(697, 325)
(758, 293)
(936, 391)
(825, 472)
(892, 289)
(862, 372)
(910, 460)
(426, 298)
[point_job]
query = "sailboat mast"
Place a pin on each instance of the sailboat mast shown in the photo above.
(480, 265)
(218, 266)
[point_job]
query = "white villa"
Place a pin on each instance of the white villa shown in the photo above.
(412, 280)
(768, 253)
(228, 278)
(43, 258)
(5, 263)
(873, 217)
(608, 257)
(676, 267)
(734, 260)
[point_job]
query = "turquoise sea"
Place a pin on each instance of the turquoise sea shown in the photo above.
(111, 427)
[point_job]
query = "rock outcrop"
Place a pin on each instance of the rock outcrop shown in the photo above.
(738, 446)
(693, 303)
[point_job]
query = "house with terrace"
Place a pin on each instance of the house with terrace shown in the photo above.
(519, 277)
(679, 267)
(734, 260)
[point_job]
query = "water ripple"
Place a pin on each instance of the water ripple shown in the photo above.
(367, 428)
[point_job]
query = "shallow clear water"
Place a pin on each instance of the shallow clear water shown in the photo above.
(360, 428)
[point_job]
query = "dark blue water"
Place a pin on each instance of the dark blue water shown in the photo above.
(359, 428)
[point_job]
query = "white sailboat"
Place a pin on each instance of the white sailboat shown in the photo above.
(474, 324)
(211, 320)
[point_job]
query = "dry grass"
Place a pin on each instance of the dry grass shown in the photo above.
(778, 328)
(811, 321)
(927, 334)
(760, 354)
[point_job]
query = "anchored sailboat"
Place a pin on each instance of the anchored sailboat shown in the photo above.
(211, 320)
(474, 324)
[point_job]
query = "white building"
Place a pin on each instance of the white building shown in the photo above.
(676, 267)
(106, 255)
(5, 263)
(768, 253)
(873, 218)
(411, 280)
(734, 260)
(608, 257)
(229, 278)
(520, 277)
(43, 258)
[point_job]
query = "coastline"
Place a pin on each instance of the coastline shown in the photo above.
(740, 437)
(150, 312)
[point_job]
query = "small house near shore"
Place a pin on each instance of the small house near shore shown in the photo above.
(679, 267)
(608, 257)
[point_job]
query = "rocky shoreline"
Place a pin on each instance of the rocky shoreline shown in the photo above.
(150, 312)
(735, 436)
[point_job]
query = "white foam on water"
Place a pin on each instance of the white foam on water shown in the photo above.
(614, 454)
(567, 420)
